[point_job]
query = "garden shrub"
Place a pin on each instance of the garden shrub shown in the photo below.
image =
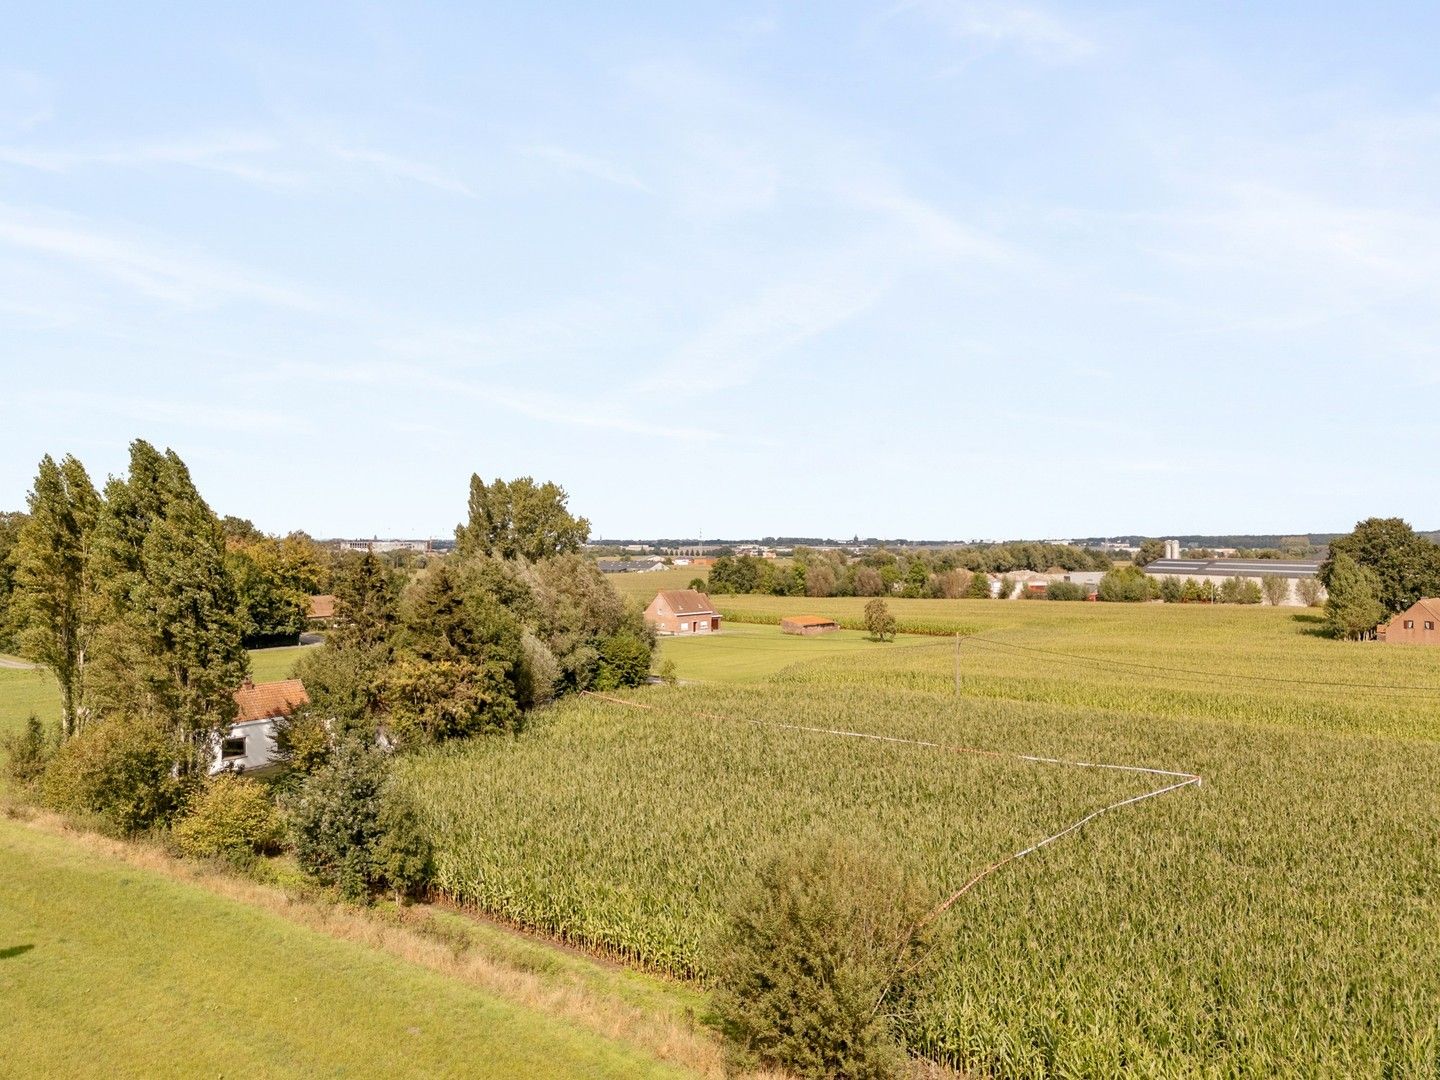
(818, 957)
(624, 661)
(27, 752)
(350, 832)
(120, 771)
(230, 817)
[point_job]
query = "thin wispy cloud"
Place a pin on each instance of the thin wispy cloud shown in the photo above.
(159, 272)
(399, 167)
(200, 415)
(586, 165)
(999, 24)
(229, 154)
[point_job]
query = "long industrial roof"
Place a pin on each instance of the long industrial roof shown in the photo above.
(1288, 568)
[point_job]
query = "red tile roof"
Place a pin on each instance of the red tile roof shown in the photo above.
(687, 601)
(322, 607)
(263, 701)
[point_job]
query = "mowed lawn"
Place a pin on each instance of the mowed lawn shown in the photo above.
(101, 961)
(747, 652)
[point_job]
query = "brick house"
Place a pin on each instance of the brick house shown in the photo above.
(1414, 626)
(682, 611)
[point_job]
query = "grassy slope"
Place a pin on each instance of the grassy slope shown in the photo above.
(102, 961)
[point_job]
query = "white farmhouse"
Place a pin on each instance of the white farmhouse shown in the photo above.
(249, 746)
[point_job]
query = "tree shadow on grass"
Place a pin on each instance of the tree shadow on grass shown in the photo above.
(14, 951)
(1314, 625)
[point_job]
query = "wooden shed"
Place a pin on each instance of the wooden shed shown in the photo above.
(808, 624)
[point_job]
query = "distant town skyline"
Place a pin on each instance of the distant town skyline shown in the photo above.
(921, 268)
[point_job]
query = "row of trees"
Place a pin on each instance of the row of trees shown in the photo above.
(951, 573)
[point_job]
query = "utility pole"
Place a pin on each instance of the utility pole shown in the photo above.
(957, 664)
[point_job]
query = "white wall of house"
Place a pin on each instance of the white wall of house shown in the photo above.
(258, 751)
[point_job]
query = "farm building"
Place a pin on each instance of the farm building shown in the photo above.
(629, 566)
(682, 611)
(1414, 626)
(1217, 571)
(250, 744)
(808, 624)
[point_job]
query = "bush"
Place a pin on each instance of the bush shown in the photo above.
(430, 701)
(351, 833)
(302, 740)
(231, 817)
(818, 957)
(624, 661)
(1238, 590)
(27, 752)
(119, 771)
(1127, 585)
(1064, 590)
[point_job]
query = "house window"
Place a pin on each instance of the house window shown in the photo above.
(684, 626)
(232, 747)
(1429, 624)
(1409, 624)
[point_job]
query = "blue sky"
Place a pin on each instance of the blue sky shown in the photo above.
(930, 269)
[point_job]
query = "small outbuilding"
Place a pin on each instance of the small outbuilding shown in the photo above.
(808, 625)
(682, 611)
(1414, 626)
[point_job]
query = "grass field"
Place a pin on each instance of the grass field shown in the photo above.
(104, 962)
(745, 652)
(23, 692)
(1283, 918)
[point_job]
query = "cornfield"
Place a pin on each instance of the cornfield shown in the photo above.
(1282, 919)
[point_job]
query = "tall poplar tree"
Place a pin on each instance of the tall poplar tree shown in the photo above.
(53, 602)
(173, 633)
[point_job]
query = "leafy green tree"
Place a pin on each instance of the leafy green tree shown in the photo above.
(1275, 588)
(1406, 565)
(10, 523)
(519, 520)
(1172, 591)
(274, 580)
(353, 830)
(1353, 607)
(818, 959)
(878, 619)
(1064, 590)
(624, 660)
(54, 606)
(431, 700)
(979, 587)
(868, 581)
(1309, 590)
(1150, 551)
